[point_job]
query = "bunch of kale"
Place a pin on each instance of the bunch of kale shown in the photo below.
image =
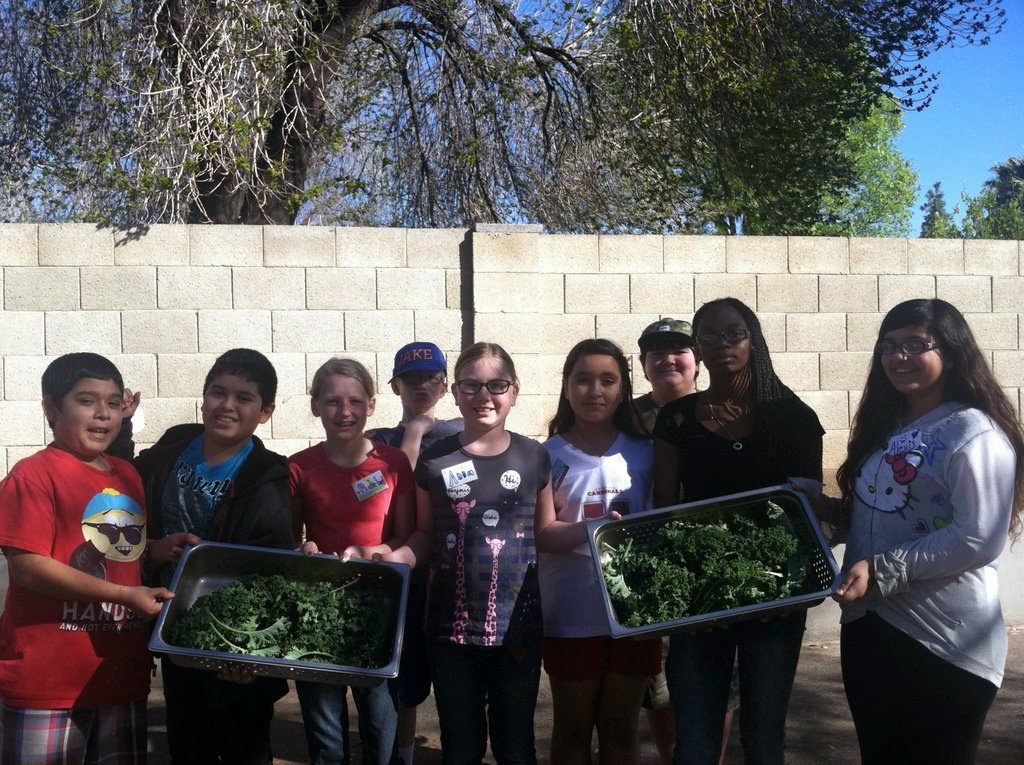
(270, 616)
(689, 567)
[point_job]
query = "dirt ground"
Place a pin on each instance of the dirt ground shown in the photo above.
(820, 731)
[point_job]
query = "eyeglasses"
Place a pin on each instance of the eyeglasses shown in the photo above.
(731, 337)
(413, 379)
(494, 387)
(910, 347)
(132, 534)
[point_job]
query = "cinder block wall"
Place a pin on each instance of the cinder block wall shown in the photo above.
(163, 301)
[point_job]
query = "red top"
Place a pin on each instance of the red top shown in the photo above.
(57, 654)
(349, 506)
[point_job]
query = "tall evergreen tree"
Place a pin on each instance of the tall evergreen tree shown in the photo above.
(937, 223)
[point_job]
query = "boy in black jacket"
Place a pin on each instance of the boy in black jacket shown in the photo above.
(219, 482)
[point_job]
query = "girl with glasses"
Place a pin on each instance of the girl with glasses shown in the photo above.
(477, 494)
(602, 467)
(932, 483)
(746, 431)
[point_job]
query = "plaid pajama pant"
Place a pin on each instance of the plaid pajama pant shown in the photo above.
(110, 735)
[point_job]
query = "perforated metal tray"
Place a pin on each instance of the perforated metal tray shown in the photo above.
(823, 573)
(209, 565)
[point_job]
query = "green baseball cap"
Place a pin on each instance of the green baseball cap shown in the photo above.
(669, 329)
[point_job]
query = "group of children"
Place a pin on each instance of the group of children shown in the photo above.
(493, 524)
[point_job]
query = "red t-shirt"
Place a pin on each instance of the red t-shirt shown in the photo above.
(57, 654)
(349, 506)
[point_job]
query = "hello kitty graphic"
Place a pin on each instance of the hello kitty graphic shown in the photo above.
(889, 488)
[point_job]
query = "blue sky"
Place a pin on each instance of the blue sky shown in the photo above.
(976, 118)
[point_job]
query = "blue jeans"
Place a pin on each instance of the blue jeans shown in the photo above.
(479, 689)
(325, 718)
(699, 668)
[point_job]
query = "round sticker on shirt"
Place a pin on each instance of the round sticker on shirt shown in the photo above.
(510, 480)
(491, 517)
(449, 541)
(458, 492)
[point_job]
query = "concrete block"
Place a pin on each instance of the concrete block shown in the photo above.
(443, 328)
(286, 447)
(862, 331)
(798, 370)
(75, 244)
(22, 377)
(159, 331)
(377, 247)
(221, 331)
(568, 254)
(773, 327)
(341, 288)
(622, 329)
(968, 293)
(293, 419)
(597, 293)
(851, 293)
(16, 454)
(388, 411)
(164, 413)
(519, 293)
(990, 257)
(816, 332)
(695, 254)
(160, 244)
(831, 406)
(631, 253)
(665, 293)
(399, 288)
(541, 373)
(708, 287)
(379, 371)
(453, 289)
(124, 288)
(994, 331)
(895, 289)
(21, 333)
(757, 254)
(534, 332)
(834, 444)
(197, 288)
(819, 255)
(787, 293)
(298, 246)
(19, 244)
(41, 289)
(138, 370)
(871, 255)
(21, 423)
(221, 245)
(1007, 293)
(845, 371)
(181, 375)
(936, 256)
(531, 414)
(308, 331)
(434, 247)
(1009, 367)
(71, 331)
(855, 398)
(505, 252)
(377, 330)
(269, 287)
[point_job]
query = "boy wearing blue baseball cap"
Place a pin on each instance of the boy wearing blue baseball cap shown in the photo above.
(420, 378)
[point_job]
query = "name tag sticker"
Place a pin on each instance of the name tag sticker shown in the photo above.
(458, 475)
(372, 484)
(902, 443)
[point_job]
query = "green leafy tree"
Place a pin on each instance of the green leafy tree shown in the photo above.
(997, 212)
(937, 223)
(881, 201)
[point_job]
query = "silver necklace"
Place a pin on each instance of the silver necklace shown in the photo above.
(736, 445)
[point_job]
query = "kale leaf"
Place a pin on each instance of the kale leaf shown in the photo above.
(271, 616)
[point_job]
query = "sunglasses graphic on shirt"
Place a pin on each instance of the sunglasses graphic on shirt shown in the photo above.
(132, 534)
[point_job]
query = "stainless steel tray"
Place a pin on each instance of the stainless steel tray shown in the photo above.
(209, 565)
(823, 571)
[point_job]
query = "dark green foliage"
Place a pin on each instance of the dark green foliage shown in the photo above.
(270, 616)
(691, 567)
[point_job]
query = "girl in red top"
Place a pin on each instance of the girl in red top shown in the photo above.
(354, 498)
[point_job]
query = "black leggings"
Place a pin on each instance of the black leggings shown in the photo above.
(910, 706)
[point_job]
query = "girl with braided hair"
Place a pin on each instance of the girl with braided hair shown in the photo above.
(746, 431)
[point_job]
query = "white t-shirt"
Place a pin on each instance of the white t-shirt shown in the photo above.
(588, 487)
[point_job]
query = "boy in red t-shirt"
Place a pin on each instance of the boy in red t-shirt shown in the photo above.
(74, 667)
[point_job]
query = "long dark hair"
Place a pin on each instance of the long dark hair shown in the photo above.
(967, 379)
(625, 418)
(765, 383)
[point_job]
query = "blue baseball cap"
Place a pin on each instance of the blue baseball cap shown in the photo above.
(419, 357)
